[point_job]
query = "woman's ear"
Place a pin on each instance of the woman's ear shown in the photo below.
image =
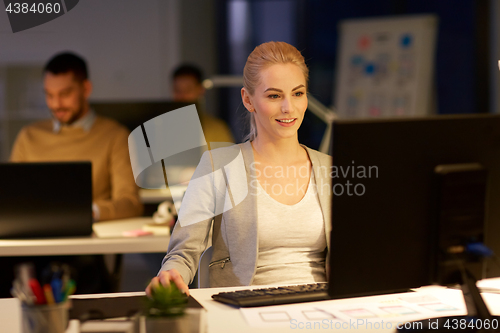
(247, 100)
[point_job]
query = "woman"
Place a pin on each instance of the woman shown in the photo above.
(278, 232)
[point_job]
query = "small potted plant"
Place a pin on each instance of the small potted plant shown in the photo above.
(165, 310)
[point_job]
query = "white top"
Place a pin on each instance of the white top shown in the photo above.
(292, 240)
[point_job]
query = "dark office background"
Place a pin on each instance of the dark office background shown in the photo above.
(151, 38)
(136, 62)
(461, 64)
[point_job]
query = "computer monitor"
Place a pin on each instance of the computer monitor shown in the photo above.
(134, 113)
(316, 128)
(385, 193)
(312, 130)
(45, 199)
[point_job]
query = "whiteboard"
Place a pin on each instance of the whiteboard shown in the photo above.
(386, 67)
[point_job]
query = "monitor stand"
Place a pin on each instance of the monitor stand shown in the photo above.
(478, 318)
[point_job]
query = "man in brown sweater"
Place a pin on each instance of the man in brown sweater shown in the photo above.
(77, 134)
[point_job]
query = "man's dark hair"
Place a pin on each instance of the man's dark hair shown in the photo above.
(67, 62)
(188, 70)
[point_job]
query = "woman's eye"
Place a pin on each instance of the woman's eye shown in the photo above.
(274, 96)
(299, 93)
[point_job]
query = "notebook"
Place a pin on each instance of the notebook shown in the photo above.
(45, 199)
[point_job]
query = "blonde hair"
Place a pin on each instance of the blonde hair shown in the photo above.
(263, 56)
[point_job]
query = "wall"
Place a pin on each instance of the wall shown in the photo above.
(128, 44)
(131, 48)
(494, 56)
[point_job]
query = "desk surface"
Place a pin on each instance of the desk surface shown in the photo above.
(107, 239)
(222, 318)
(174, 192)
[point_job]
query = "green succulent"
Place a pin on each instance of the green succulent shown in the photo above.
(166, 301)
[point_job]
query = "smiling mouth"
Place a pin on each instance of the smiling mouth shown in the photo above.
(286, 121)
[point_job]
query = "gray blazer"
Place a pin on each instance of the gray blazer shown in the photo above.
(235, 237)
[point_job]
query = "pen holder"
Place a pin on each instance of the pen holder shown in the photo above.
(45, 318)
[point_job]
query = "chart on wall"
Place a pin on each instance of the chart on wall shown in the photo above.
(386, 67)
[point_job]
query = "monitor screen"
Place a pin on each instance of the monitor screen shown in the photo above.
(384, 197)
(134, 113)
(45, 199)
(312, 130)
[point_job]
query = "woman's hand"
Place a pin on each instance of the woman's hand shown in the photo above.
(164, 278)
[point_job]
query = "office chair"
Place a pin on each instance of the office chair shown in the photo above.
(202, 274)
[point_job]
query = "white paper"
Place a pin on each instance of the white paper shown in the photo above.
(385, 313)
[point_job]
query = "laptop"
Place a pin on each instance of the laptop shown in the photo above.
(45, 199)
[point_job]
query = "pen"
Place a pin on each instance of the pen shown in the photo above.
(24, 274)
(65, 276)
(69, 290)
(56, 285)
(49, 296)
(37, 291)
(17, 291)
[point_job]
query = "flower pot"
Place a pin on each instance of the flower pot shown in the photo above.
(193, 321)
(170, 325)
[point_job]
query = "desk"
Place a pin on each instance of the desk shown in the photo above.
(107, 239)
(174, 192)
(224, 318)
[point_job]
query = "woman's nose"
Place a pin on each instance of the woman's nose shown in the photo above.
(285, 105)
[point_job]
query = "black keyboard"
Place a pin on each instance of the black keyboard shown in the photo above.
(274, 296)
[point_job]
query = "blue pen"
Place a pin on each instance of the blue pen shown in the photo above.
(56, 285)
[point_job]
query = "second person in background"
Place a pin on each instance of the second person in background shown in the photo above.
(187, 82)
